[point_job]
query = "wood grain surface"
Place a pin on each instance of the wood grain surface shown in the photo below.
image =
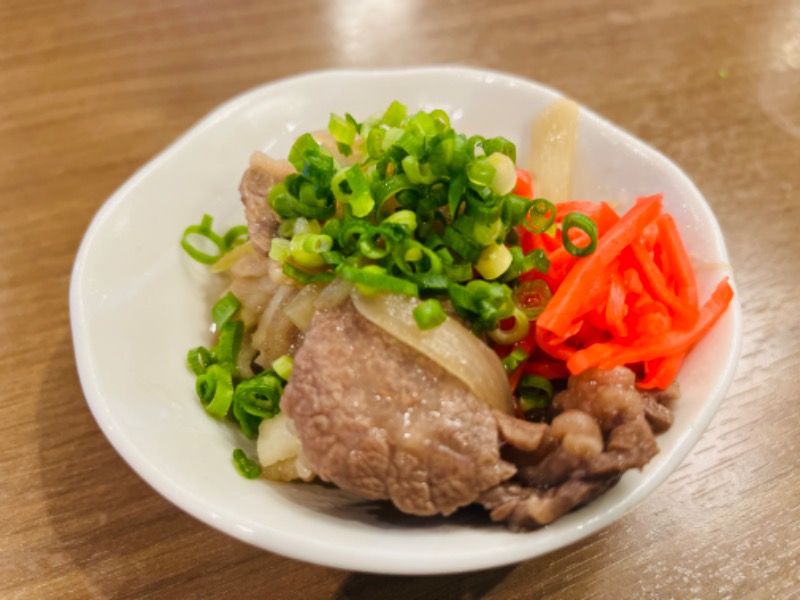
(89, 91)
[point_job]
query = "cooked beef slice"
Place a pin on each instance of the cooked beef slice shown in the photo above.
(262, 221)
(525, 508)
(551, 481)
(380, 420)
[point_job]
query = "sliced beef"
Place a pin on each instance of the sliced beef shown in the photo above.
(658, 415)
(382, 421)
(657, 406)
(552, 480)
(262, 221)
(525, 508)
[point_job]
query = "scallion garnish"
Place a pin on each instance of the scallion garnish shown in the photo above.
(203, 234)
(429, 314)
(514, 360)
(198, 359)
(247, 467)
(283, 366)
(224, 309)
(534, 392)
(576, 220)
(541, 217)
(215, 390)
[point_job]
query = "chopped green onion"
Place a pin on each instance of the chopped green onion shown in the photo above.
(298, 152)
(462, 245)
(372, 280)
(429, 314)
(223, 244)
(377, 242)
(283, 366)
(199, 360)
(305, 278)
(246, 467)
(301, 249)
(342, 130)
(532, 297)
(534, 392)
(358, 196)
(481, 171)
(412, 258)
(215, 390)
(515, 209)
(395, 114)
(576, 220)
(260, 395)
(229, 344)
(407, 219)
(541, 216)
(280, 250)
(416, 172)
(317, 243)
(494, 261)
(505, 175)
(235, 236)
(523, 263)
(517, 332)
(301, 225)
(514, 360)
(224, 309)
(502, 146)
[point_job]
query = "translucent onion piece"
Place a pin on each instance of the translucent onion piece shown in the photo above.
(450, 345)
(301, 309)
(276, 332)
(252, 287)
(279, 451)
(553, 144)
(276, 274)
(232, 257)
(336, 292)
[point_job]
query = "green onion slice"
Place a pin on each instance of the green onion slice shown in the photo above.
(204, 231)
(429, 314)
(229, 344)
(215, 390)
(541, 216)
(576, 220)
(532, 297)
(246, 467)
(514, 360)
(283, 366)
(199, 359)
(534, 392)
(305, 278)
(260, 395)
(224, 309)
(376, 281)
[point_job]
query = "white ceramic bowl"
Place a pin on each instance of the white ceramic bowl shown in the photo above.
(138, 303)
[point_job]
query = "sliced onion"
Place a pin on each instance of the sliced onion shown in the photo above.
(276, 332)
(276, 274)
(336, 292)
(553, 142)
(235, 257)
(450, 345)
(279, 450)
(301, 309)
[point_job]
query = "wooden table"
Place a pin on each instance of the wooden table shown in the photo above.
(89, 91)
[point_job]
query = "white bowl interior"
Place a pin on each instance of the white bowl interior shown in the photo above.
(138, 304)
